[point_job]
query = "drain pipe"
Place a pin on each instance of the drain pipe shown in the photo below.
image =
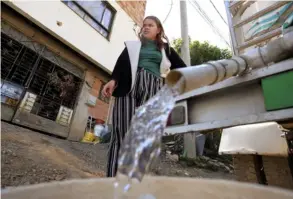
(215, 71)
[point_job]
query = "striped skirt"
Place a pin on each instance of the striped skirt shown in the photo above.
(146, 85)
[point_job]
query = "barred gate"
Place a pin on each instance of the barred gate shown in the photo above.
(36, 81)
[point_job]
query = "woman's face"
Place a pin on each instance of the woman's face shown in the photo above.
(150, 29)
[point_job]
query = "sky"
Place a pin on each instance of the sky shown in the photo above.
(198, 28)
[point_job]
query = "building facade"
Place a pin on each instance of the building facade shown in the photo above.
(55, 58)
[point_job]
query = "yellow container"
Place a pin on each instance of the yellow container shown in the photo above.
(88, 137)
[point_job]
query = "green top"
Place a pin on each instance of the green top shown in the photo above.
(150, 57)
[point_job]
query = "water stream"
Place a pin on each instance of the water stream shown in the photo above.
(142, 143)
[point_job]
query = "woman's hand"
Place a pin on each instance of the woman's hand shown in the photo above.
(109, 88)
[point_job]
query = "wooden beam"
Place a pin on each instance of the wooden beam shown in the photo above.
(235, 4)
(259, 39)
(244, 7)
(261, 13)
(277, 24)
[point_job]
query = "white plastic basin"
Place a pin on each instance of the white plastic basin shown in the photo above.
(160, 187)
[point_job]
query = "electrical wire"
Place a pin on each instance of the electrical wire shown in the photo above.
(197, 7)
(219, 13)
(206, 17)
(208, 20)
(169, 11)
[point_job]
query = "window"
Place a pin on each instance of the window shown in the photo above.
(98, 14)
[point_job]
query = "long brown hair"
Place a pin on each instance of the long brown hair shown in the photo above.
(160, 36)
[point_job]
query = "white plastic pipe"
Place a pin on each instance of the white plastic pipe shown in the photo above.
(212, 72)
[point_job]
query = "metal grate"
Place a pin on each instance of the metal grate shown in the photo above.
(10, 50)
(23, 66)
(40, 79)
(45, 108)
(53, 85)
(17, 61)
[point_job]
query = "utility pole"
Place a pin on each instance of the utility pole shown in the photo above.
(189, 138)
(184, 33)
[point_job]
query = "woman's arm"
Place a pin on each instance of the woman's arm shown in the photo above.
(118, 66)
(175, 59)
(116, 75)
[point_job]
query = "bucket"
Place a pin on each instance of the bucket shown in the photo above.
(159, 187)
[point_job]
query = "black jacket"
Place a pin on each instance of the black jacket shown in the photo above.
(123, 71)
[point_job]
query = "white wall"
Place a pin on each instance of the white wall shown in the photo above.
(77, 33)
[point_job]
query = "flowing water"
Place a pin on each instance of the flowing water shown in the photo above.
(142, 143)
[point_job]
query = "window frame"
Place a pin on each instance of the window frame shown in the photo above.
(107, 6)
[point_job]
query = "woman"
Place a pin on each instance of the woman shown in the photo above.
(137, 76)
